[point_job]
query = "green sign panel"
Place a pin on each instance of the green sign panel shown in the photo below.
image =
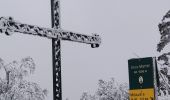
(142, 78)
(141, 73)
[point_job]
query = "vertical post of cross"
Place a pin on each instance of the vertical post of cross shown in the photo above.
(56, 51)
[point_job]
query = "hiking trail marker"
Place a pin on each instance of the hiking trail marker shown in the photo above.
(143, 78)
(56, 34)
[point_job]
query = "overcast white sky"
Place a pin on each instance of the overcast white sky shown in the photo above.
(126, 27)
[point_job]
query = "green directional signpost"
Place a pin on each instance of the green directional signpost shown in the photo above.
(142, 78)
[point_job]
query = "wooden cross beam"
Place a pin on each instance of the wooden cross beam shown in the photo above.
(9, 26)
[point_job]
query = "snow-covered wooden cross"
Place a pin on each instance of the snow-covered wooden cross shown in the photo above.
(9, 26)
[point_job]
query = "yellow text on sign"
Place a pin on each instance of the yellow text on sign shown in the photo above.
(142, 94)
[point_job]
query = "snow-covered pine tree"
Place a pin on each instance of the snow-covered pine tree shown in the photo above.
(163, 59)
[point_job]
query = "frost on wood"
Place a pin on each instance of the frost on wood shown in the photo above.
(14, 87)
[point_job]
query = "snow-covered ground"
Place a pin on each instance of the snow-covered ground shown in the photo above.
(164, 98)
